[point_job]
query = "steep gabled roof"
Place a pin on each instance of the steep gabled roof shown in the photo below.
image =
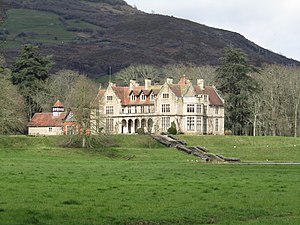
(183, 80)
(180, 90)
(95, 102)
(123, 93)
(214, 98)
(58, 104)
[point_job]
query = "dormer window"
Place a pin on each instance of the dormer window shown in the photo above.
(165, 95)
(143, 97)
(152, 96)
(132, 97)
(109, 98)
(205, 97)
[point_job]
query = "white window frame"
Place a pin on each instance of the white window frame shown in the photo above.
(217, 110)
(165, 123)
(165, 95)
(205, 109)
(165, 108)
(199, 109)
(132, 97)
(109, 98)
(217, 125)
(199, 124)
(190, 123)
(109, 125)
(190, 108)
(109, 110)
(143, 97)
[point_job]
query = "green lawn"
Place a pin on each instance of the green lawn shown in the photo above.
(42, 183)
(278, 149)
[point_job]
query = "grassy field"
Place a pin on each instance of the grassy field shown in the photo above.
(278, 149)
(43, 183)
(25, 25)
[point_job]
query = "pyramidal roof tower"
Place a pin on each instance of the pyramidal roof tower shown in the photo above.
(57, 108)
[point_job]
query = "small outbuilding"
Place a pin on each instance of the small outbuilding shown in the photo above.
(51, 123)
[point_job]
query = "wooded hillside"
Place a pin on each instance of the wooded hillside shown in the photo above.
(89, 36)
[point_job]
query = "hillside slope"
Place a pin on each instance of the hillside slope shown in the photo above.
(91, 35)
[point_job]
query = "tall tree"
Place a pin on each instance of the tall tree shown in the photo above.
(80, 98)
(29, 70)
(280, 98)
(236, 85)
(57, 87)
(12, 117)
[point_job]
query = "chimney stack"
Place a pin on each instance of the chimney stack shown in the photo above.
(133, 84)
(147, 83)
(169, 80)
(200, 83)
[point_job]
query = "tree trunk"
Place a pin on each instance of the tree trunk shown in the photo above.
(295, 119)
(254, 125)
(83, 141)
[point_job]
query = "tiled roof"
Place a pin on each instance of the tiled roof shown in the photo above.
(183, 88)
(95, 102)
(183, 80)
(180, 90)
(47, 120)
(214, 98)
(123, 94)
(58, 104)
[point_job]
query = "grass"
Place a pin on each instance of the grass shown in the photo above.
(278, 149)
(26, 25)
(42, 183)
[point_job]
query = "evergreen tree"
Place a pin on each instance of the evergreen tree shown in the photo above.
(29, 71)
(236, 85)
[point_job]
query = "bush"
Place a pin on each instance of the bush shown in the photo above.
(172, 129)
(140, 131)
(228, 132)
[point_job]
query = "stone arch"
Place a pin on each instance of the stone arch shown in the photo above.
(136, 125)
(150, 125)
(130, 126)
(124, 126)
(143, 123)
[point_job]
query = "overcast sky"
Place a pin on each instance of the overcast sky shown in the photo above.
(272, 24)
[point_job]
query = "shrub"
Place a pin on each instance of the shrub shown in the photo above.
(228, 132)
(140, 131)
(172, 129)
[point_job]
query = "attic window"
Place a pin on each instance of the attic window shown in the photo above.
(109, 98)
(143, 97)
(132, 97)
(152, 96)
(165, 95)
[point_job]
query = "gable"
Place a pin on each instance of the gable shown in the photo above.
(71, 117)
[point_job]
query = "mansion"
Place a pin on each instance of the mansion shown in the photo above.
(194, 108)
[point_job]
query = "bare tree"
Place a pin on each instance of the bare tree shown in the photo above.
(191, 71)
(80, 98)
(56, 87)
(12, 110)
(138, 73)
(279, 100)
